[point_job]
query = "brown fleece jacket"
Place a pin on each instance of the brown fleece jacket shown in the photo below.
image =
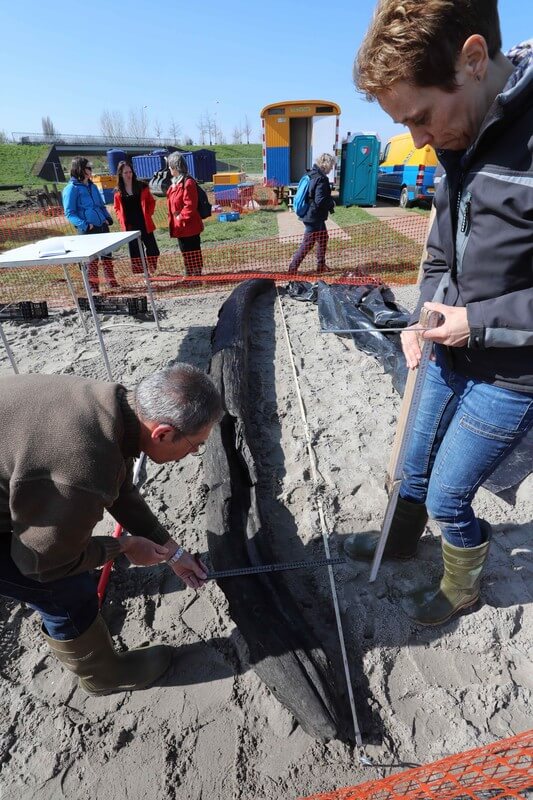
(66, 453)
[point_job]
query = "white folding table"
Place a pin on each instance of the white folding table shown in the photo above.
(79, 250)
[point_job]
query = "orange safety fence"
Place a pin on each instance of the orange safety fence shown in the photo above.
(386, 251)
(498, 771)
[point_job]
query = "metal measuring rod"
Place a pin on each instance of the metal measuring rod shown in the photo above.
(239, 572)
(428, 319)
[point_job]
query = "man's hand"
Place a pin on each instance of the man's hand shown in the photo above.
(143, 552)
(411, 346)
(455, 329)
(189, 568)
(453, 332)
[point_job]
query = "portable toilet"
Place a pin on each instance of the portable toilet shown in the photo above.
(359, 170)
(295, 133)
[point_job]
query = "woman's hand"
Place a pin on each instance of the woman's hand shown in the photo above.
(454, 331)
(143, 552)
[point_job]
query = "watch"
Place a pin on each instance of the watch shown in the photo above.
(176, 556)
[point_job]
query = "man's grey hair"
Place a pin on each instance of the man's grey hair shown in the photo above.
(176, 161)
(326, 162)
(180, 395)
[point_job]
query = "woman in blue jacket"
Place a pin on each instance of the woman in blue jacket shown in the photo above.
(320, 205)
(86, 210)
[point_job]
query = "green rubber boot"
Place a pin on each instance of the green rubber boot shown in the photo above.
(101, 669)
(459, 586)
(407, 527)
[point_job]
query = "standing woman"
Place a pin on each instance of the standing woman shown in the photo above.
(320, 205)
(86, 210)
(134, 205)
(184, 221)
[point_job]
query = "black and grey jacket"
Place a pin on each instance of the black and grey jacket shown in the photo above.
(320, 200)
(480, 249)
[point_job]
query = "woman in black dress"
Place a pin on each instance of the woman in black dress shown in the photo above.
(134, 205)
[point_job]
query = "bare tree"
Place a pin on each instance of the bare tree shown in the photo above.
(138, 123)
(188, 140)
(48, 127)
(247, 129)
(3, 137)
(202, 129)
(237, 135)
(175, 132)
(211, 125)
(219, 136)
(112, 125)
(158, 128)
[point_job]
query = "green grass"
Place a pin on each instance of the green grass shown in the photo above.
(246, 157)
(17, 161)
(259, 225)
(344, 217)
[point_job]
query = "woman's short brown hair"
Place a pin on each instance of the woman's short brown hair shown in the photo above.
(78, 167)
(419, 41)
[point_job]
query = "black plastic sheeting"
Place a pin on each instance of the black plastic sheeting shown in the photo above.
(372, 309)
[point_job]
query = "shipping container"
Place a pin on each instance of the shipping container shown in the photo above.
(295, 133)
(202, 164)
(145, 166)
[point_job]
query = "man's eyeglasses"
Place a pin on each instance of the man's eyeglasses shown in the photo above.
(196, 449)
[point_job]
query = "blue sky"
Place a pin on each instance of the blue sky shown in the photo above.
(72, 61)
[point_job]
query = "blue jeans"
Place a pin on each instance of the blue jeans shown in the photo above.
(314, 234)
(463, 429)
(68, 606)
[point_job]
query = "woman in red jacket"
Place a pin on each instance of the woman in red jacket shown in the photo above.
(184, 222)
(135, 204)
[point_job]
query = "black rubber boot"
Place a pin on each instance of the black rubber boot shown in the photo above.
(407, 527)
(101, 669)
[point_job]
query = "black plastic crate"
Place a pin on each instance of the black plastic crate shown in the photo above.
(24, 310)
(131, 306)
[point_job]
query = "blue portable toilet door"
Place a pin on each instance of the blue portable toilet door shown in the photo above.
(364, 192)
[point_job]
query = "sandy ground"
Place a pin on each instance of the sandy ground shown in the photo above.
(210, 729)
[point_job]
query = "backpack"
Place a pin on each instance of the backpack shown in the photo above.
(301, 198)
(204, 206)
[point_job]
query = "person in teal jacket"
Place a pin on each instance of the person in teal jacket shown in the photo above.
(85, 209)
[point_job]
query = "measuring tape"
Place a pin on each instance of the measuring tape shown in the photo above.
(239, 572)
(428, 319)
